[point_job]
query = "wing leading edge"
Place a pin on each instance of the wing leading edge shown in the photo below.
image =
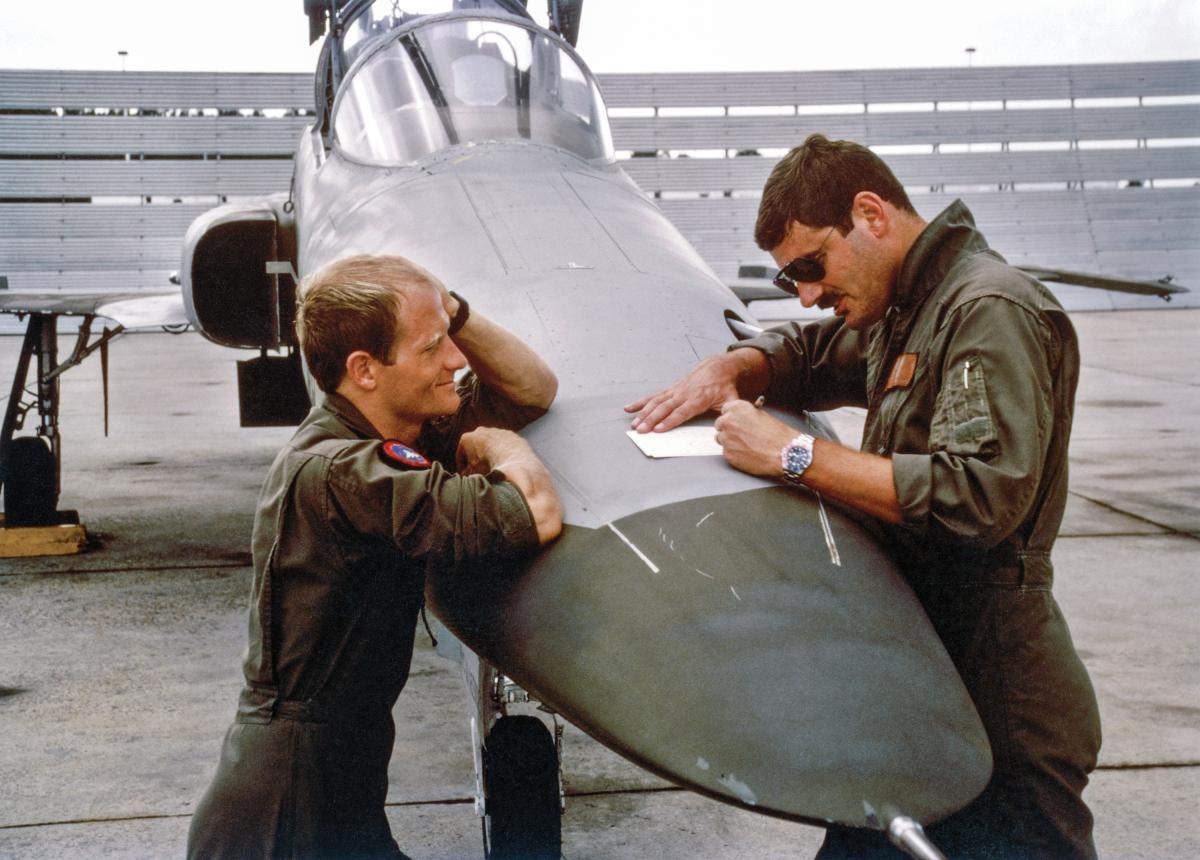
(131, 310)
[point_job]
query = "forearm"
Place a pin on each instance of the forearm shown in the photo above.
(816, 366)
(490, 448)
(753, 441)
(505, 363)
(753, 372)
(533, 480)
(856, 479)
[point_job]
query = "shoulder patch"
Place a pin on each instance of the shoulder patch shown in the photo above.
(401, 456)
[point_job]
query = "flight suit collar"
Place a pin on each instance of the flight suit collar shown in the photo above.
(939, 247)
(941, 244)
(347, 414)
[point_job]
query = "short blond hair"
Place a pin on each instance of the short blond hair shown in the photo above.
(351, 304)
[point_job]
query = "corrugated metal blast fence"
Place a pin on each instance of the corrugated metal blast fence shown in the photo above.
(1089, 167)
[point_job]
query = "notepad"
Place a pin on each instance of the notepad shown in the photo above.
(692, 441)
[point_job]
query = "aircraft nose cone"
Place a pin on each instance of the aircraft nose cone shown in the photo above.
(758, 647)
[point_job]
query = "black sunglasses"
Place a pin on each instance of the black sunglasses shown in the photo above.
(803, 270)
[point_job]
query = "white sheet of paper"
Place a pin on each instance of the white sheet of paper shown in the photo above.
(680, 442)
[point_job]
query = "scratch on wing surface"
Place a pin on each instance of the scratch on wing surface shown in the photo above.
(653, 567)
(834, 557)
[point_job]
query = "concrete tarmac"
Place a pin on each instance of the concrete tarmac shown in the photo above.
(119, 667)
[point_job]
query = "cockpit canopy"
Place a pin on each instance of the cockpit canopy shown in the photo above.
(458, 78)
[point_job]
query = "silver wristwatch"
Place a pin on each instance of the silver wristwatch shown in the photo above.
(795, 457)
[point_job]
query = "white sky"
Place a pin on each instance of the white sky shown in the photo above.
(632, 35)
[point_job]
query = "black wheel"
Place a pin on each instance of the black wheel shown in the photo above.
(29, 493)
(522, 808)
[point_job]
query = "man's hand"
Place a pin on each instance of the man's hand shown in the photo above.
(484, 448)
(487, 448)
(449, 303)
(714, 381)
(752, 439)
(502, 360)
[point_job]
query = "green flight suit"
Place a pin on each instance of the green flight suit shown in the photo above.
(343, 537)
(969, 385)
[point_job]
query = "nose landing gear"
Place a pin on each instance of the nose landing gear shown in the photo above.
(522, 804)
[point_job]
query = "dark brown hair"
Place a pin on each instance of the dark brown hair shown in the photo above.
(815, 184)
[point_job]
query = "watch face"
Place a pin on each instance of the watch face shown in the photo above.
(798, 457)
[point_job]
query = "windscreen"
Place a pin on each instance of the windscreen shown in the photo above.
(460, 80)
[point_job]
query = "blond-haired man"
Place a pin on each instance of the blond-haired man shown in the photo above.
(397, 469)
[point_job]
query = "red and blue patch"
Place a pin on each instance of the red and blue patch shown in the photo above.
(398, 454)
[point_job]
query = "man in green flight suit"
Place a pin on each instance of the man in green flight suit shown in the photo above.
(398, 470)
(967, 369)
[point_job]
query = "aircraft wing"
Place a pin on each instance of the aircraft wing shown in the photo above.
(132, 310)
(37, 476)
(753, 284)
(1164, 289)
(747, 294)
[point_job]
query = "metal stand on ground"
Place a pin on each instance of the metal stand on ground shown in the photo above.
(31, 466)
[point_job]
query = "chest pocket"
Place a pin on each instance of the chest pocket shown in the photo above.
(962, 415)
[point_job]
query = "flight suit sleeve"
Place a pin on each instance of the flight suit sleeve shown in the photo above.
(989, 432)
(481, 406)
(815, 366)
(429, 514)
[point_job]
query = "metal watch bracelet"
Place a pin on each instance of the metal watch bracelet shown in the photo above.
(795, 457)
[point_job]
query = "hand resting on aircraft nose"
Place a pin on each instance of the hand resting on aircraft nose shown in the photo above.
(484, 448)
(711, 383)
(487, 448)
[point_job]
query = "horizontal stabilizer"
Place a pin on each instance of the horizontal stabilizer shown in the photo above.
(130, 310)
(1164, 289)
(747, 294)
(761, 287)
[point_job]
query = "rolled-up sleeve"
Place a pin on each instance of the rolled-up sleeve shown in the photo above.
(990, 427)
(431, 514)
(815, 366)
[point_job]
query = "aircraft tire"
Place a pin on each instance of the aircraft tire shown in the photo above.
(523, 808)
(29, 491)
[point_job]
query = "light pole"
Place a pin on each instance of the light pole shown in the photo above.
(122, 55)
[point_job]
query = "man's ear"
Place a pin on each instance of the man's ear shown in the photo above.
(869, 207)
(360, 370)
